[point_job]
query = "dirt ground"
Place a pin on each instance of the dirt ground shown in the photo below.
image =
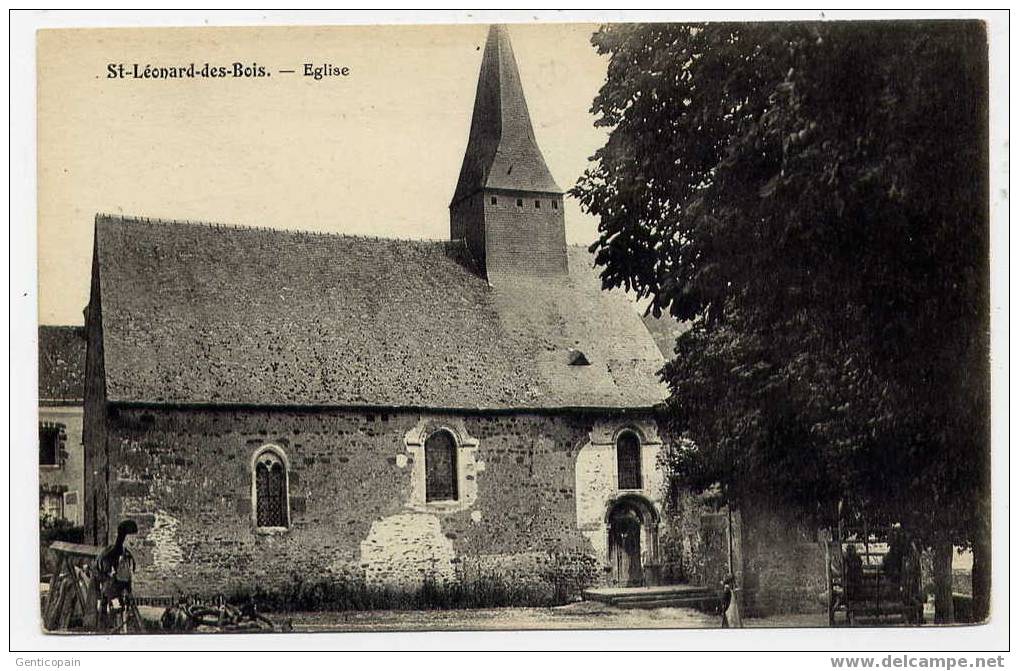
(584, 615)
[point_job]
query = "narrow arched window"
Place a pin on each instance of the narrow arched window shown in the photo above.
(271, 491)
(628, 460)
(440, 467)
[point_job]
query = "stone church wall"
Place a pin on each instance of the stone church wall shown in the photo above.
(356, 496)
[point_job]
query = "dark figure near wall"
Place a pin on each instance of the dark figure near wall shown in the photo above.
(729, 604)
(854, 573)
(114, 567)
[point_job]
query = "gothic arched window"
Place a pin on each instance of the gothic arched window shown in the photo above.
(440, 467)
(628, 460)
(271, 503)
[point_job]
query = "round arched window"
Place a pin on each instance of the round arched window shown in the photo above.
(271, 490)
(440, 467)
(628, 460)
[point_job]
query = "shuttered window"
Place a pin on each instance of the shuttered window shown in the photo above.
(270, 491)
(440, 467)
(628, 460)
(49, 444)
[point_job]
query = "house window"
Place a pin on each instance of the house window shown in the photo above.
(49, 444)
(495, 201)
(628, 460)
(51, 505)
(555, 204)
(440, 467)
(520, 202)
(537, 204)
(271, 502)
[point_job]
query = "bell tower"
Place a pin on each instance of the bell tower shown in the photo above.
(506, 207)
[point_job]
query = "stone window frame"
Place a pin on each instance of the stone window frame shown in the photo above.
(468, 467)
(458, 474)
(282, 456)
(638, 436)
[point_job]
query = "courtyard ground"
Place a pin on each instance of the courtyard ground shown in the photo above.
(584, 615)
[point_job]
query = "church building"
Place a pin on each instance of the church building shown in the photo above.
(269, 403)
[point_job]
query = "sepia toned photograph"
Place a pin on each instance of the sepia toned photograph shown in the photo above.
(516, 326)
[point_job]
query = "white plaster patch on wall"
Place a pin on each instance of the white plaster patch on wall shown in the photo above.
(166, 552)
(595, 474)
(653, 473)
(402, 550)
(597, 479)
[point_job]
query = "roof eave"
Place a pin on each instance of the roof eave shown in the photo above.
(383, 407)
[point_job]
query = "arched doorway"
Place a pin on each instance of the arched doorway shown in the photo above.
(631, 525)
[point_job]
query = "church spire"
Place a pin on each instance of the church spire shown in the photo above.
(506, 205)
(502, 151)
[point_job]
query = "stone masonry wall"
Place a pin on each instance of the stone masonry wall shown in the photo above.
(783, 563)
(776, 559)
(695, 539)
(355, 495)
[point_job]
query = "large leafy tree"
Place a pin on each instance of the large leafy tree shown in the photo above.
(813, 198)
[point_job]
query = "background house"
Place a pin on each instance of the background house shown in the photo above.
(61, 392)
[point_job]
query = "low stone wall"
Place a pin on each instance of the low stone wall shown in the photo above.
(776, 559)
(783, 563)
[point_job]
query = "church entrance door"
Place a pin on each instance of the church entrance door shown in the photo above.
(625, 528)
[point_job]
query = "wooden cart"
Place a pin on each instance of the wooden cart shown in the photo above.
(873, 576)
(73, 599)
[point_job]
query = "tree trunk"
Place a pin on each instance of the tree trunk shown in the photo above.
(944, 610)
(982, 573)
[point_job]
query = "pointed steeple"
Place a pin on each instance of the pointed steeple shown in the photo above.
(502, 152)
(503, 161)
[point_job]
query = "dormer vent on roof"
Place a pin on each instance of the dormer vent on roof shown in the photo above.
(577, 358)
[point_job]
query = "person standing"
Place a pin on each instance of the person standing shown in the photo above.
(730, 604)
(114, 567)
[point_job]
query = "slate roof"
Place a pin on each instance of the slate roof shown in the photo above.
(194, 313)
(502, 152)
(665, 330)
(61, 363)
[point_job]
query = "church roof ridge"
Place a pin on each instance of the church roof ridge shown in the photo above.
(164, 221)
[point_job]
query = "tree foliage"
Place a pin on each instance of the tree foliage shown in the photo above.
(813, 198)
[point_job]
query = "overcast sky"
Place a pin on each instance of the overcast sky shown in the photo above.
(377, 152)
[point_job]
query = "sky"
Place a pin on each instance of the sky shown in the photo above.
(374, 153)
